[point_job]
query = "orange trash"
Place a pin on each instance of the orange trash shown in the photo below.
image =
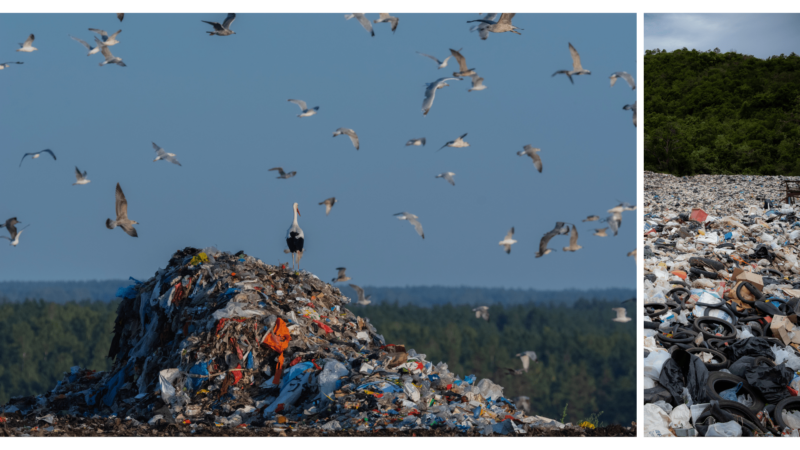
(680, 274)
(278, 340)
(698, 215)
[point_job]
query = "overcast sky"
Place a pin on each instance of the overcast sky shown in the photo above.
(760, 35)
(220, 104)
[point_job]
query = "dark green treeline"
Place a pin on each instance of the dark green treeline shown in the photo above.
(721, 113)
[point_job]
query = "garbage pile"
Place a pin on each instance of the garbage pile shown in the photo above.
(223, 340)
(721, 300)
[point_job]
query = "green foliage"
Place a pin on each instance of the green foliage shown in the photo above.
(594, 419)
(42, 340)
(586, 360)
(564, 414)
(721, 113)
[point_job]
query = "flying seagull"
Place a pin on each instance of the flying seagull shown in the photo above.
(341, 277)
(576, 66)
(304, 110)
(527, 358)
(442, 64)
(362, 20)
(328, 204)
(283, 174)
(10, 226)
(508, 241)
(417, 142)
(614, 221)
(107, 40)
(515, 371)
(482, 312)
(632, 108)
(625, 76)
(412, 219)
(601, 232)
(462, 65)
(5, 65)
(621, 317)
(92, 50)
(14, 239)
(534, 154)
(560, 228)
(164, 156)
(110, 59)
(591, 218)
(457, 143)
(430, 93)
(122, 215)
(295, 237)
(385, 17)
(361, 299)
(632, 253)
(36, 155)
(352, 134)
(623, 206)
(28, 47)
(482, 27)
(225, 28)
(477, 83)
(573, 241)
(80, 177)
(448, 176)
(501, 26)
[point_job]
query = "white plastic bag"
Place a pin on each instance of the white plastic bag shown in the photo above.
(680, 417)
(783, 355)
(654, 363)
(792, 419)
(724, 429)
(330, 374)
(656, 421)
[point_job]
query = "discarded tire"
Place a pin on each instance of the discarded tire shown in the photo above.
(787, 404)
(711, 366)
(701, 324)
(720, 381)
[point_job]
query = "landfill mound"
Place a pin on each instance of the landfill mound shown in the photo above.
(223, 341)
(722, 296)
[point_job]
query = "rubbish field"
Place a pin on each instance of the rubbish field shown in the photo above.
(218, 344)
(721, 299)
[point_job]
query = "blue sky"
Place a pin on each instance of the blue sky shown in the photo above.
(220, 104)
(760, 35)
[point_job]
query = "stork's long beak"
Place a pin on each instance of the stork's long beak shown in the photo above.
(298, 211)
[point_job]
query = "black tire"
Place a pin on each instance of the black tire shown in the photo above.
(688, 337)
(730, 336)
(760, 359)
(700, 272)
(720, 381)
(785, 404)
(656, 312)
(718, 354)
(651, 325)
(706, 262)
(745, 413)
(674, 295)
(756, 293)
(771, 271)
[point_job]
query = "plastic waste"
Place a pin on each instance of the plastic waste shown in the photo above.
(724, 429)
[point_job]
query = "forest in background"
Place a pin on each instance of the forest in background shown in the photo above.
(708, 112)
(588, 362)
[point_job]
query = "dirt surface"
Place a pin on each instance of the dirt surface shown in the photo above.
(80, 426)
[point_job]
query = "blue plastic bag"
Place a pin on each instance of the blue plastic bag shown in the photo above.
(730, 394)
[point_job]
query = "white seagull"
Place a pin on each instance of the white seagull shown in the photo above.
(533, 152)
(577, 69)
(110, 59)
(623, 206)
(122, 221)
(500, 26)
(591, 218)
(107, 40)
(442, 64)
(295, 237)
(508, 241)
(462, 64)
(560, 228)
(362, 20)
(527, 358)
(601, 232)
(481, 312)
(352, 134)
(6, 65)
(448, 176)
(361, 299)
(417, 142)
(477, 83)
(625, 76)
(283, 174)
(632, 108)
(92, 50)
(458, 143)
(632, 253)
(28, 47)
(80, 177)
(621, 317)
(14, 239)
(225, 28)
(482, 27)
(164, 156)
(341, 277)
(430, 93)
(36, 155)
(304, 110)
(385, 17)
(412, 219)
(10, 226)
(614, 221)
(328, 204)
(573, 241)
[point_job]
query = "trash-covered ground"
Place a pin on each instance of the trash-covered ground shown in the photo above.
(722, 289)
(221, 344)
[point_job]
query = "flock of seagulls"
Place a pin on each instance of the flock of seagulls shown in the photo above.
(491, 23)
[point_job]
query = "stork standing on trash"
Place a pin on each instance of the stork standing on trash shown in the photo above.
(295, 237)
